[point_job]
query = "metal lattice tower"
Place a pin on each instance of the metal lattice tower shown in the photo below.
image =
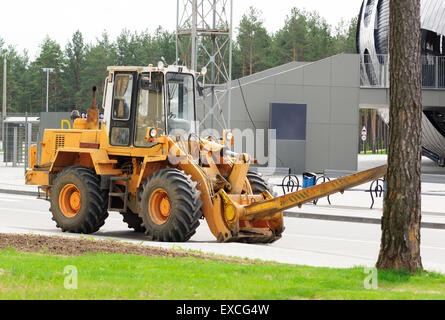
(204, 39)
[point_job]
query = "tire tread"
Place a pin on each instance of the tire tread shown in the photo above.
(185, 220)
(98, 200)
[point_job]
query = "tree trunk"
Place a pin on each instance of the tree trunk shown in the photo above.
(400, 245)
(365, 149)
(377, 130)
(379, 135)
(373, 130)
(251, 58)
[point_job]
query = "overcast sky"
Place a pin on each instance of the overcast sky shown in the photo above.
(25, 23)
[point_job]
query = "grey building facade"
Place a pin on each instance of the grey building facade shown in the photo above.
(332, 91)
(328, 90)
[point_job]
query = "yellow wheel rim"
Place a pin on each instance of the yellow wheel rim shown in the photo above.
(159, 206)
(70, 200)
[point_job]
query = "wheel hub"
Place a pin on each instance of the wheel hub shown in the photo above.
(70, 200)
(159, 206)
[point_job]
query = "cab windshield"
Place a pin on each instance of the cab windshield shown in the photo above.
(180, 104)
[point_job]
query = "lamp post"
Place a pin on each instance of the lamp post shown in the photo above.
(5, 69)
(47, 70)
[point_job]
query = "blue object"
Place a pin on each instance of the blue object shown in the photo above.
(308, 180)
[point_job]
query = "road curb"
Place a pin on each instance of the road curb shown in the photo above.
(313, 216)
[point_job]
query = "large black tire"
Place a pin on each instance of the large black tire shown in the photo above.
(92, 212)
(133, 221)
(181, 196)
(258, 184)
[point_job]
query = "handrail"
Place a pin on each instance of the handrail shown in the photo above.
(375, 71)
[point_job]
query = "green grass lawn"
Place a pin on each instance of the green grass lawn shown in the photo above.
(105, 276)
(369, 152)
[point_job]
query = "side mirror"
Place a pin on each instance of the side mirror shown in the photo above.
(144, 83)
(200, 88)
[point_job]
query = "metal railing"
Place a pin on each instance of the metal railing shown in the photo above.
(18, 137)
(374, 71)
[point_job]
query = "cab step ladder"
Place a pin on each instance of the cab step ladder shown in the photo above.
(123, 196)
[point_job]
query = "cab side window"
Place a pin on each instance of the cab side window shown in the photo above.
(122, 97)
(121, 112)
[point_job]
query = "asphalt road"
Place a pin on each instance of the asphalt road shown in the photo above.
(305, 242)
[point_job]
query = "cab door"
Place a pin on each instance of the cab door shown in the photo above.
(122, 111)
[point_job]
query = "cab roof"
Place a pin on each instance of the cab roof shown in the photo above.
(149, 68)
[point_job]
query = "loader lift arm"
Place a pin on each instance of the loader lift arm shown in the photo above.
(297, 199)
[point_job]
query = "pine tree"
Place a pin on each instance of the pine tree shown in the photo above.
(74, 62)
(253, 41)
(51, 56)
(290, 41)
(97, 58)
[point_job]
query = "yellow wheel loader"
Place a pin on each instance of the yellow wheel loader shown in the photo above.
(146, 161)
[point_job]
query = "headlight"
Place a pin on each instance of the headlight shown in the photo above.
(229, 136)
(153, 133)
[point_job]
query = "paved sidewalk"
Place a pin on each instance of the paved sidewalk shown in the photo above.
(354, 205)
(12, 180)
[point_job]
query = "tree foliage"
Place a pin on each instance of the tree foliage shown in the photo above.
(78, 66)
(254, 42)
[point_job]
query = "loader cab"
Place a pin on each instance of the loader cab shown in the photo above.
(145, 98)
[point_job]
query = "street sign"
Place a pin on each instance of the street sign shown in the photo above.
(364, 131)
(364, 138)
